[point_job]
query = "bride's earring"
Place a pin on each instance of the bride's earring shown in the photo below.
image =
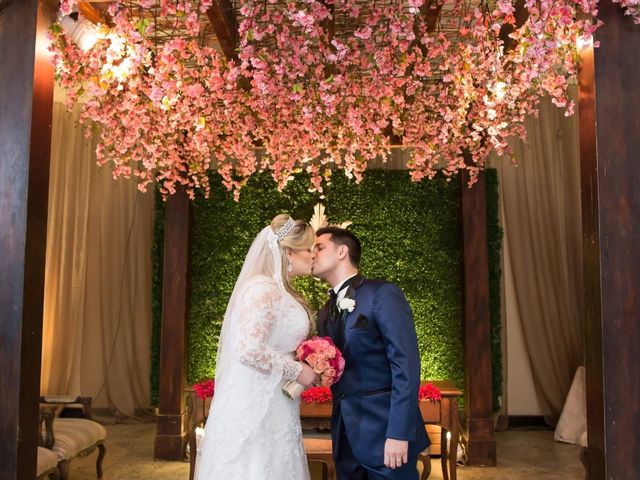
(290, 266)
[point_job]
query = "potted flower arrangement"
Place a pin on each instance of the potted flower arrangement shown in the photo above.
(429, 395)
(204, 390)
(316, 402)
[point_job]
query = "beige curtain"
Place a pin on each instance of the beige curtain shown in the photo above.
(542, 225)
(97, 311)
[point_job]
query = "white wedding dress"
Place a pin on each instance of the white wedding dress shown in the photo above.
(253, 430)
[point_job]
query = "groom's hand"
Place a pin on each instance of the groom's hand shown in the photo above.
(395, 453)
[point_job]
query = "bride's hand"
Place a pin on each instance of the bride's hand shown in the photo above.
(307, 375)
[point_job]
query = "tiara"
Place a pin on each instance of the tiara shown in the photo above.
(285, 229)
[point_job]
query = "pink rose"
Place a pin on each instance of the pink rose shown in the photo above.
(320, 366)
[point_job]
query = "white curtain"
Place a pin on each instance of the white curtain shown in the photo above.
(543, 235)
(97, 310)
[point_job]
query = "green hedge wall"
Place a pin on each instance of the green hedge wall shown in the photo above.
(156, 295)
(410, 234)
(494, 238)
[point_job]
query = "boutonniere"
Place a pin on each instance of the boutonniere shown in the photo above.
(348, 302)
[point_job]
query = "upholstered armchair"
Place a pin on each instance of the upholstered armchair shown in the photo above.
(47, 465)
(75, 437)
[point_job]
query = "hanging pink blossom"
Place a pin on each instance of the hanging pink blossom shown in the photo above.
(314, 98)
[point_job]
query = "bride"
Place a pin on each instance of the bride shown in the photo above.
(253, 429)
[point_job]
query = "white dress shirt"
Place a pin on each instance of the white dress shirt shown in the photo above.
(342, 293)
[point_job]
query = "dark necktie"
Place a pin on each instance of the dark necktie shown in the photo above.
(337, 319)
(333, 307)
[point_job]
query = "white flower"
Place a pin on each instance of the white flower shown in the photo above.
(347, 304)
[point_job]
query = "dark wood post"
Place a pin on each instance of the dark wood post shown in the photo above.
(26, 83)
(610, 176)
(476, 324)
(171, 432)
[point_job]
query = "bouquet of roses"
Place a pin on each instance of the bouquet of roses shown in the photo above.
(325, 359)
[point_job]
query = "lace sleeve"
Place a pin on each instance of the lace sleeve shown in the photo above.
(256, 324)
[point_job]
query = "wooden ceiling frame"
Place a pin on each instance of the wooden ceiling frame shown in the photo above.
(521, 14)
(89, 12)
(430, 10)
(223, 19)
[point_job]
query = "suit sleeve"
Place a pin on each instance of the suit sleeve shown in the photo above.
(395, 321)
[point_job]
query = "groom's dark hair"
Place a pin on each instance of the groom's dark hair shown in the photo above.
(341, 236)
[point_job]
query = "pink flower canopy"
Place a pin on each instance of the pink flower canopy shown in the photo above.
(317, 84)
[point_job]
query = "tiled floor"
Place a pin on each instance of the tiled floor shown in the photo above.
(522, 455)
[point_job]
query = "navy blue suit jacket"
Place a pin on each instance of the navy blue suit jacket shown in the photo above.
(377, 396)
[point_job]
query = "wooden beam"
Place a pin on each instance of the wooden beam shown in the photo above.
(609, 112)
(25, 138)
(171, 424)
(171, 431)
(590, 250)
(431, 11)
(481, 441)
(329, 24)
(223, 20)
(89, 12)
(521, 15)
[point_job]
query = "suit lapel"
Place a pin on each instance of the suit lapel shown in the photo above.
(352, 284)
(323, 315)
(357, 281)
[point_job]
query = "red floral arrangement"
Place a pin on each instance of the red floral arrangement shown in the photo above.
(205, 388)
(317, 394)
(429, 392)
(323, 356)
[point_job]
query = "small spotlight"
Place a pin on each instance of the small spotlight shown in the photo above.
(583, 42)
(500, 90)
(81, 31)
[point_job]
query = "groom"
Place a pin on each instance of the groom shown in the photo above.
(376, 426)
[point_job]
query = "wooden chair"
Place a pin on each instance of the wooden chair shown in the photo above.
(47, 468)
(318, 449)
(47, 465)
(197, 410)
(193, 446)
(425, 458)
(316, 446)
(76, 437)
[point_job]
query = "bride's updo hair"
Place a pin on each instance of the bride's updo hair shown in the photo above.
(301, 237)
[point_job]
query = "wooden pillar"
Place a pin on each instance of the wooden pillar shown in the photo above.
(26, 83)
(171, 432)
(171, 426)
(610, 176)
(477, 324)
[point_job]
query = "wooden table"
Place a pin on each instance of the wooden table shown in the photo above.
(443, 413)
